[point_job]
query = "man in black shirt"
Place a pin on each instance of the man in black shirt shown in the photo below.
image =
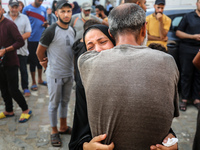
(189, 32)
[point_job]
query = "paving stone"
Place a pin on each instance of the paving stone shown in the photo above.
(12, 126)
(32, 134)
(2, 123)
(22, 128)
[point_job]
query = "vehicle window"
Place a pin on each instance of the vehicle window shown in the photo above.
(176, 22)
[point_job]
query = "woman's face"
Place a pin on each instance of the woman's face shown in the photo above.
(97, 40)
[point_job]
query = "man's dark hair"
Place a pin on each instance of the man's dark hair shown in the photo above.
(100, 7)
(130, 1)
(126, 18)
(158, 47)
(90, 22)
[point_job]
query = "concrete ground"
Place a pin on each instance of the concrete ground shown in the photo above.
(35, 134)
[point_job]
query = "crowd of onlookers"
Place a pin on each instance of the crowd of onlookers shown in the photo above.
(126, 90)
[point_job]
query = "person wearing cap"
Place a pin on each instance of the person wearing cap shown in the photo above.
(158, 25)
(11, 40)
(79, 19)
(37, 15)
(189, 33)
(24, 28)
(57, 41)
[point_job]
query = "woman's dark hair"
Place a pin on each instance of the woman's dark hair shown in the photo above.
(53, 6)
(76, 8)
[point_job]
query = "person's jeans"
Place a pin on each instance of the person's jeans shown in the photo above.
(23, 71)
(9, 88)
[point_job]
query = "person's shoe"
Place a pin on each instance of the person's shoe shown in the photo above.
(183, 106)
(27, 92)
(34, 87)
(68, 131)
(55, 140)
(25, 117)
(2, 115)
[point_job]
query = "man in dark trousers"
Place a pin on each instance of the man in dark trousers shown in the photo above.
(189, 33)
(10, 41)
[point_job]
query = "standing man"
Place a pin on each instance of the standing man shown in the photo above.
(158, 25)
(10, 41)
(37, 16)
(24, 28)
(78, 20)
(100, 13)
(189, 33)
(57, 40)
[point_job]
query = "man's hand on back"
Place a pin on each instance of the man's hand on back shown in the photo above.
(95, 144)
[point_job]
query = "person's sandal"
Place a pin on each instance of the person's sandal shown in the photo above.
(183, 106)
(55, 140)
(68, 131)
(197, 105)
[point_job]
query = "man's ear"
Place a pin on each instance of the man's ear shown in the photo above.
(110, 34)
(138, 3)
(144, 29)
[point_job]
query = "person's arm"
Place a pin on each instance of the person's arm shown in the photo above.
(105, 23)
(163, 32)
(183, 35)
(26, 35)
(155, 38)
(19, 42)
(100, 20)
(41, 56)
(161, 147)
(196, 60)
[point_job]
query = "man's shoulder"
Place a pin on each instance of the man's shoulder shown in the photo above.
(23, 16)
(166, 17)
(6, 15)
(42, 8)
(51, 28)
(76, 15)
(27, 7)
(8, 21)
(149, 16)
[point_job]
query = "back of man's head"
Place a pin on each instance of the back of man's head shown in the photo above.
(89, 23)
(131, 1)
(126, 18)
(100, 7)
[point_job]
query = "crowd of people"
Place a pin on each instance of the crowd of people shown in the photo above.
(126, 83)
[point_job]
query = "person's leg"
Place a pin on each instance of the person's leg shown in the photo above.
(54, 89)
(63, 107)
(196, 88)
(39, 67)
(196, 143)
(12, 81)
(24, 74)
(187, 70)
(32, 47)
(40, 81)
(5, 93)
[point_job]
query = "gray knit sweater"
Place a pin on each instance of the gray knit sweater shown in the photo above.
(131, 94)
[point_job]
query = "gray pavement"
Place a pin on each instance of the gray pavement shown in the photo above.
(36, 132)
